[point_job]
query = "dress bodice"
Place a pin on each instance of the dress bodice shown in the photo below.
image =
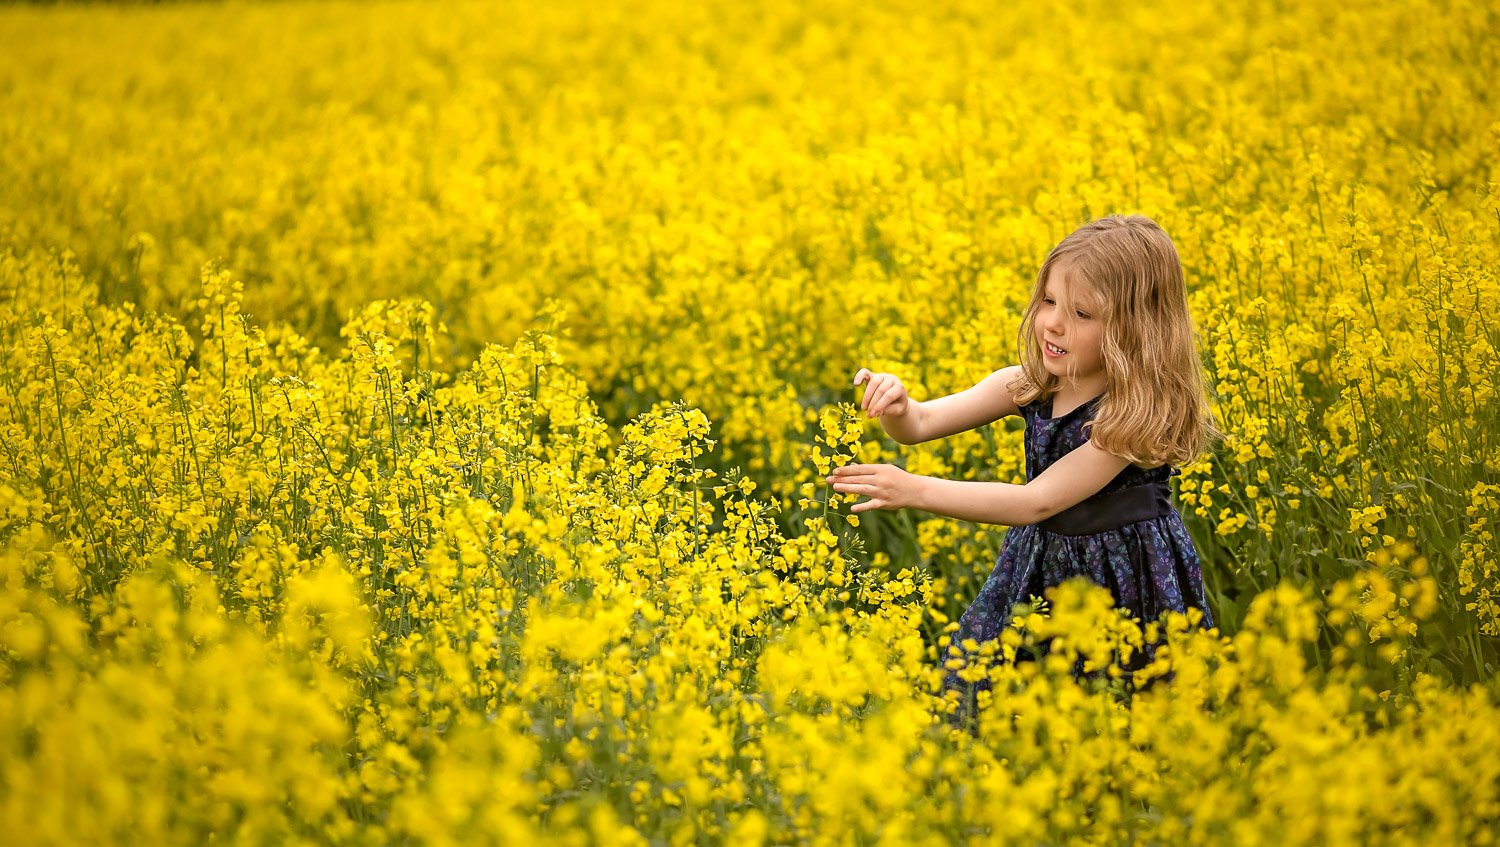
(1049, 439)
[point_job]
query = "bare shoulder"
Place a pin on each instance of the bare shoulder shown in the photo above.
(1003, 378)
(997, 387)
(1007, 376)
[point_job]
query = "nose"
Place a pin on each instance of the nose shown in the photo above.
(1052, 321)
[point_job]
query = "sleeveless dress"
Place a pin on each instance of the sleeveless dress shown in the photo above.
(1150, 566)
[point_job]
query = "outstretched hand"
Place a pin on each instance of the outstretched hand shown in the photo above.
(887, 486)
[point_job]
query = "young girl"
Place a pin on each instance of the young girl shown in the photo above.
(1112, 391)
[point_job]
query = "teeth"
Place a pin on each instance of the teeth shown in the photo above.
(1054, 348)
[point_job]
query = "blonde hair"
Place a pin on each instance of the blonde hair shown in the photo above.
(1155, 408)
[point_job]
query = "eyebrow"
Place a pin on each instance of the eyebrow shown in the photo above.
(1079, 303)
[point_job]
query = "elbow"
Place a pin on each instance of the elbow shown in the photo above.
(1040, 507)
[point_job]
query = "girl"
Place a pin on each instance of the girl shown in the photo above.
(1112, 391)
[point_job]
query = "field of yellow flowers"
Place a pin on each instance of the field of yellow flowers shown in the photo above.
(414, 421)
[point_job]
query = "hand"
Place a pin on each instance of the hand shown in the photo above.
(887, 486)
(885, 395)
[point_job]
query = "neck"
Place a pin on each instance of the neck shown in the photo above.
(1080, 390)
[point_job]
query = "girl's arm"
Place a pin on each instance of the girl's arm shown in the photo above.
(1067, 482)
(986, 402)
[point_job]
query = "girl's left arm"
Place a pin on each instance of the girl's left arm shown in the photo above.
(1067, 482)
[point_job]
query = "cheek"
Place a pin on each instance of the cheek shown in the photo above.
(1086, 339)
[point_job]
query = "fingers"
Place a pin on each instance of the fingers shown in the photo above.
(873, 392)
(846, 480)
(852, 470)
(869, 491)
(881, 392)
(864, 375)
(889, 394)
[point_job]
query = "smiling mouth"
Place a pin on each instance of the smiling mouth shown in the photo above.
(1053, 348)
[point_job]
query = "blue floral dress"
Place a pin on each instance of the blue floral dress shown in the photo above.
(1150, 566)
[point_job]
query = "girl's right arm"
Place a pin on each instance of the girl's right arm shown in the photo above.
(910, 422)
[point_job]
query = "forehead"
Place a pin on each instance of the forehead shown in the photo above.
(1062, 284)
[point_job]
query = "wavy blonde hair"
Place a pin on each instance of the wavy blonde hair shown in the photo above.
(1155, 407)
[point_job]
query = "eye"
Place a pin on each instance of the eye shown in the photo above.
(1047, 300)
(1081, 314)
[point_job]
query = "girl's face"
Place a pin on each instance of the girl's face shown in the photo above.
(1068, 320)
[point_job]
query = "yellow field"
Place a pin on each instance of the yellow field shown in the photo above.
(414, 420)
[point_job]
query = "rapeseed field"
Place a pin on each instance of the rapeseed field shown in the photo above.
(415, 418)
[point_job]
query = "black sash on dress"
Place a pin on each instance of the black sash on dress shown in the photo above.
(1112, 511)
